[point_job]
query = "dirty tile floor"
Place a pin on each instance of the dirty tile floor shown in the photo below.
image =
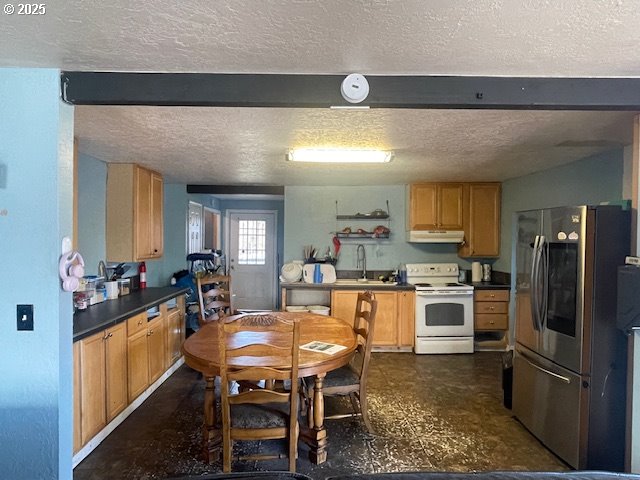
(429, 412)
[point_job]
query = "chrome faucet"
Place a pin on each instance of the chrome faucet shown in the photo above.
(361, 261)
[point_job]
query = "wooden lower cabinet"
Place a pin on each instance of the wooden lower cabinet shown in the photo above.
(115, 366)
(77, 431)
(407, 315)
(175, 333)
(116, 371)
(491, 319)
(394, 318)
(138, 364)
(93, 384)
(102, 378)
(156, 347)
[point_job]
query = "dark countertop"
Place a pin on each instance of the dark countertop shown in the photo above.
(343, 286)
(111, 312)
(489, 286)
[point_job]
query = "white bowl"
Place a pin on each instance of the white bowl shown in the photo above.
(319, 309)
(291, 272)
(296, 308)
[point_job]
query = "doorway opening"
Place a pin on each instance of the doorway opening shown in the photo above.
(252, 258)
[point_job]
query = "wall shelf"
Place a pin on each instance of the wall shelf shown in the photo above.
(378, 214)
(342, 235)
(363, 216)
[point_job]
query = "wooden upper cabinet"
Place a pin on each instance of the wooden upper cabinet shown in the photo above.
(482, 220)
(436, 206)
(134, 213)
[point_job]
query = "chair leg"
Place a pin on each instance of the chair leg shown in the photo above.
(226, 457)
(354, 403)
(293, 450)
(364, 410)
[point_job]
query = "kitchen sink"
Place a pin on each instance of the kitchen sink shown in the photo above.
(357, 281)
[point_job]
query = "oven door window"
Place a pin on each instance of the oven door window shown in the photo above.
(444, 314)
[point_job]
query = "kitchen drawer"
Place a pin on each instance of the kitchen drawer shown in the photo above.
(136, 323)
(491, 307)
(491, 295)
(486, 321)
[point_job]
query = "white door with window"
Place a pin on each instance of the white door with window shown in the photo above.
(252, 259)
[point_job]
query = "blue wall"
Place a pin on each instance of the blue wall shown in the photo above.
(176, 204)
(36, 145)
(589, 181)
(92, 194)
(310, 218)
(92, 197)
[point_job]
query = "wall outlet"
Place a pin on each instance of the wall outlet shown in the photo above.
(24, 317)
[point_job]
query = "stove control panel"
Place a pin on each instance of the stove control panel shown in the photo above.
(432, 269)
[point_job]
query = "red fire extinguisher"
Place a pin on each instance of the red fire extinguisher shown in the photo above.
(143, 275)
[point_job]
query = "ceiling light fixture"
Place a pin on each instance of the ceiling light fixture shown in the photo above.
(338, 155)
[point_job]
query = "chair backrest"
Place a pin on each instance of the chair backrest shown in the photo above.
(269, 346)
(214, 296)
(364, 323)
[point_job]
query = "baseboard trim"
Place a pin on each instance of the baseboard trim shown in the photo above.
(392, 349)
(111, 426)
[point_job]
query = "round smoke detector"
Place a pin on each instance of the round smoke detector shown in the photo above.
(354, 88)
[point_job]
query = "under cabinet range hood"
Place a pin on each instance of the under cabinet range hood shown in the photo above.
(435, 236)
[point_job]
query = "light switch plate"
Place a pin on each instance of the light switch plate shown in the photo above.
(24, 317)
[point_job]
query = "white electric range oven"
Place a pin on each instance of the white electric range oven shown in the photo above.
(444, 309)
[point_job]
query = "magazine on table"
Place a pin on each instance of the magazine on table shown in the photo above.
(323, 347)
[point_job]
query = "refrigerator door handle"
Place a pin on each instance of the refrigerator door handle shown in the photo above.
(548, 372)
(534, 287)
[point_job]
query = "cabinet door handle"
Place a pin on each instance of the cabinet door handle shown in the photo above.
(149, 333)
(139, 322)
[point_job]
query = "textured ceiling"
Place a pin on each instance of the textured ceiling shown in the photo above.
(248, 146)
(417, 37)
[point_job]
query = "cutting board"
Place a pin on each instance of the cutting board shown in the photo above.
(328, 272)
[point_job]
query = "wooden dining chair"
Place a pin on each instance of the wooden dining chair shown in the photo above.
(214, 296)
(351, 379)
(270, 345)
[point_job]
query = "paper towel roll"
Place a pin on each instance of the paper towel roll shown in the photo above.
(476, 272)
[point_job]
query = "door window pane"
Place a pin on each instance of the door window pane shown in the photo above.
(252, 236)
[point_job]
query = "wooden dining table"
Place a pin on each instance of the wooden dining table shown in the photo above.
(201, 353)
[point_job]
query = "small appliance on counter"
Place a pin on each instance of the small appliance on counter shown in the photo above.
(476, 272)
(124, 286)
(486, 272)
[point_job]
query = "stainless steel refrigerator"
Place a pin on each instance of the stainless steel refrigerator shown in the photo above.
(569, 369)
